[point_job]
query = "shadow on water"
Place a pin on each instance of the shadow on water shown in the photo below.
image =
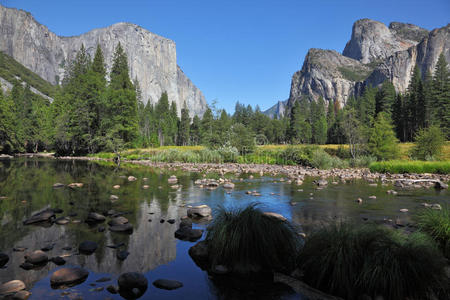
(27, 185)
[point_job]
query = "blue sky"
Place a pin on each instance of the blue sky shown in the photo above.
(238, 50)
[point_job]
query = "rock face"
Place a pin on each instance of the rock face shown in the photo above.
(152, 58)
(375, 53)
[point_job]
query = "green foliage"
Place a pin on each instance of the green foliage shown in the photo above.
(382, 141)
(350, 261)
(436, 223)
(248, 241)
(429, 143)
(10, 69)
(322, 160)
(242, 139)
(402, 166)
(363, 161)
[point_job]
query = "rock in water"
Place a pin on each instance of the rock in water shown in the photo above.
(68, 276)
(167, 284)
(199, 211)
(275, 215)
(228, 185)
(132, 284)
(11, 287)
(118, 221)
(188, 234)
(125, 228)
(94, 217)
(4, 258)
(87, 247)
(58, 260)
(21, 295)
(36, 258)
(122, 255)
(43, 216)
(172, 179)
(199, 254)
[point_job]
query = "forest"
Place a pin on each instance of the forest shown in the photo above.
(95, 111)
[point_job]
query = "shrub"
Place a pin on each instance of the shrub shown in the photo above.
(228, 153)
(248, 241)
(350, 260)
(300, 155)
(436, 223)
(429, 143)
(322, 160)
(242, 138)
(362, 161)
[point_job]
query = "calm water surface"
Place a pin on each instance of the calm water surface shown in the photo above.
(27, 185)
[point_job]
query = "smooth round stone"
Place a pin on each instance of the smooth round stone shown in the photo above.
(36, 258)
(188, 234)
(42, 216)
(62, 221)
(118, 221)
(87, 247)
(167, 284)
(125, 228)
(4, 258)
(58, 260)
(68, 276)
(21, 295)
(95, 217)
(132, 284)
(11, 287)
(122, 255)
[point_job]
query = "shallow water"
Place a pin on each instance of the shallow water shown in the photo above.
(27, 184)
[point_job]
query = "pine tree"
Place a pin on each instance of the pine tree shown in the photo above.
(399, 118)
(98, 64)
(184, 128)
(415, 92)
(319, 122)
(385, 98)
(195, 130)
(382, 141)
(8, 141)
(207, 127)
(441, 95)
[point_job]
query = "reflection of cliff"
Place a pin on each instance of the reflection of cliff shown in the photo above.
(151, 245)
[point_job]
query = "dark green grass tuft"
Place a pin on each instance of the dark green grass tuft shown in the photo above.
(350, 260)
(436, 223)
(248, 241)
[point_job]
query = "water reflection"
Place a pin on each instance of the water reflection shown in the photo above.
(28, 186)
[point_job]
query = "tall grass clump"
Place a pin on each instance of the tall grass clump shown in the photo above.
(322, 160)
(436, 223)
(350, 261)
(247, 241)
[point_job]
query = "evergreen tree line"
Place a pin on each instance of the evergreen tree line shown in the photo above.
(91, 114)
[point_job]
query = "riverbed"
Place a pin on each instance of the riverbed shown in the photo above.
(27, 187)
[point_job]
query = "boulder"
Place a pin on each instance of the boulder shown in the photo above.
(228, 185)
(129, 282)
(68, 276)
(58, 260)
(87, 247)
(122, 255)
(21, 295)
(132, 178)
(167, 284)
(4, 258)
(321, 182)
(37, 257)
(172, 179)
(75, 185)
(124, 228)
(188, 234)
(186, 222)
(118, 221)
(43, 216)
(94, 217)
(11, 287)
(58, 185)
(440, 185)
(199, 211)
(62, 221)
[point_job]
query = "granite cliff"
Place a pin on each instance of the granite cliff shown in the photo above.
(152, 59)
(375, 53)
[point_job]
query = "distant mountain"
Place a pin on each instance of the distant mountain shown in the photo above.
(152, 59)
(375, 53)
(278, 109)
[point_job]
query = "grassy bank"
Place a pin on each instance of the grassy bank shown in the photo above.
(405, 166)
